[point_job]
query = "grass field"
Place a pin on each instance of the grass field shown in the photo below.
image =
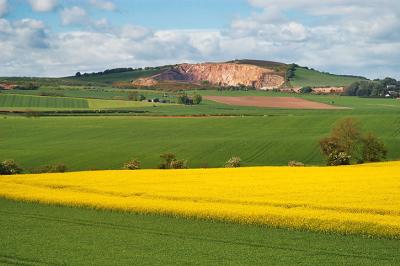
(307, 77)
(34, 234)
(84, 143)
(360, 199)
(28, 101)
(118, 77)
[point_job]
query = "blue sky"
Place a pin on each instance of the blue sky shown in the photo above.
(60, 37)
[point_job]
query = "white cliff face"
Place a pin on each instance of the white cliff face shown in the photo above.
(222, 74)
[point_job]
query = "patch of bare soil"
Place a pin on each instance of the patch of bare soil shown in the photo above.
(271, 102)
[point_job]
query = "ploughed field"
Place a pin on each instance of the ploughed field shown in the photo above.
(271, 102)
(361, 199)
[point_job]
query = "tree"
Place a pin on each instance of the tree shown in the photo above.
(373, 149)
(197, 99)
(306, 90)
(170, 162)
(233, 162)
(183, 99)
(78, 74)
(132, 165)
(10, 167)
(346, 142)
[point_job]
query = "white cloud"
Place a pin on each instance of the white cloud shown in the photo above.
(3, 7)
(43, 5)
(105, 5)
(346, 39)
(74, 16)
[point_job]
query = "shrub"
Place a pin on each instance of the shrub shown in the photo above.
(10, 167)
(233, 162)
(170, 162)
(197, 99)
(373, 149)
(306, 90)
(295, 164)
(338, 158)
(53, 168)
(132, 165)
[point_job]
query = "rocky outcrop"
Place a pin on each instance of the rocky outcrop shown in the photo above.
(224, 74)
(145, 82)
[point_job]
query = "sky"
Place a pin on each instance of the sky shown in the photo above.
(55, 38)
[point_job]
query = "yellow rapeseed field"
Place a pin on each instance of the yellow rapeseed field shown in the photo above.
(351, 199)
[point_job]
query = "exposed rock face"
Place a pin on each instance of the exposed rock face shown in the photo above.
(145, 82)
(224, 74)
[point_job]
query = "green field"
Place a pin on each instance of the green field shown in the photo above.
(118, 77)
(9, 100)
(107, 142)
(33, 234)
(307, 77)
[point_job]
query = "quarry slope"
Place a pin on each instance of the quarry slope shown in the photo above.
(221, 74)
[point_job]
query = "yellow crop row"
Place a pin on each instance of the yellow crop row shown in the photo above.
(351, 199)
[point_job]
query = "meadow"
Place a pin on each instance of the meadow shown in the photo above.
(360, 199)
(308, 77)
(36, 234)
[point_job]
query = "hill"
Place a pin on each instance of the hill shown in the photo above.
(304, 77)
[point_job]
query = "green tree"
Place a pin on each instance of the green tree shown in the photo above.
(373, 149)
(197, 99)
(10, 167)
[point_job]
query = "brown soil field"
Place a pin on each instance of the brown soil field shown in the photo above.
(271, 102)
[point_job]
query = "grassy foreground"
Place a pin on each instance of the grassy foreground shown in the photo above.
(351, 200)
(34, 234)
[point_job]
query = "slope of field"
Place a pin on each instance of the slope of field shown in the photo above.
(34, 234)
(13, 100)
(307, 77)
(85, 143)
(351, 200)
(118, 77)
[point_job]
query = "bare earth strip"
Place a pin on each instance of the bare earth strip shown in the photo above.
(271, 102)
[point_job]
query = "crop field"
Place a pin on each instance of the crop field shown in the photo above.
(85, 143)
(307, 77)
(35, 234)
(8, 100)
(350, 200)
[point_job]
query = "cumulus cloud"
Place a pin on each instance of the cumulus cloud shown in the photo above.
(105, 5)
(3, 7)
(74, 16)
(349, 37)
(43, 5)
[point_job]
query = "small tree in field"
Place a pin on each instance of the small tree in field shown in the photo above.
(10, 167)
(233, 162)
(347, 143)
(132, 165)
(170, 162)
(197, 99)
(373, 149)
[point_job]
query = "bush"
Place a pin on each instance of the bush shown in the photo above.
(233, 162)
(306, 90)
(295, 164)
(338, 158)
(132, 165)
(54, 168)
(170, 162)
(197, 99)
(373, 149)
(347, 142)
(10, 167)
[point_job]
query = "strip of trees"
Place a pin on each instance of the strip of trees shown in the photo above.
(376, 88)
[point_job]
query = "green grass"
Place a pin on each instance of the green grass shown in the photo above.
(10, 100)
(118, 77)
(84, 143)
(307, 77)
(33, 234)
